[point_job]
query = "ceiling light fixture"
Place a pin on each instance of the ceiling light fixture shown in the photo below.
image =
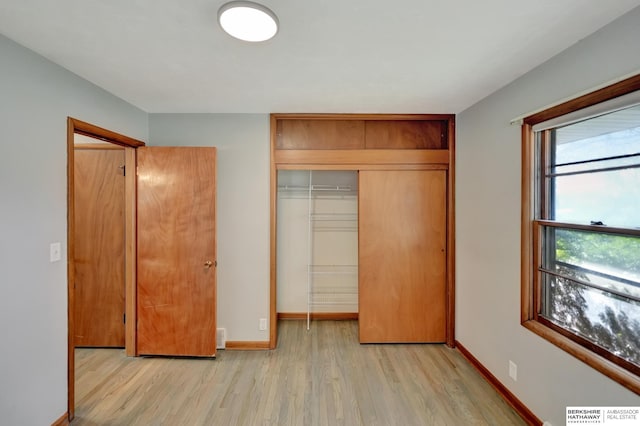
(248, 21)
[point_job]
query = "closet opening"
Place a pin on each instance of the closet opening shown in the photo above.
(317, 249)
(362, 209)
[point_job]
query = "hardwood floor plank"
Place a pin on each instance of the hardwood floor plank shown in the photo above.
(318, 377)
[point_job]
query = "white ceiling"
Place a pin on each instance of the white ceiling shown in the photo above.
(410, 56)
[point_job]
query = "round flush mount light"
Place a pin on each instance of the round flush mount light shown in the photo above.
(248, 21)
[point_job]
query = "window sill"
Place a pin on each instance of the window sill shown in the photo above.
(604, 366)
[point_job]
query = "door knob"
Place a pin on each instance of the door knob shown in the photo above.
(208, 264)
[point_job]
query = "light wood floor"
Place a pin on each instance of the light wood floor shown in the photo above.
(317, 377)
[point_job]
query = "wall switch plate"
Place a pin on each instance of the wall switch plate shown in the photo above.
(513, 370)
(263, 324)
(54, 252)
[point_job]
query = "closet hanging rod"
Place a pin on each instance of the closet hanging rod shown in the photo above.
(315, 188)
(334, 216)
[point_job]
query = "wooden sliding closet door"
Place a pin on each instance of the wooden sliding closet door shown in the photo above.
(402, 256)
(176, 300)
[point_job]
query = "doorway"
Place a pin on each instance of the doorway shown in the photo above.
(77, 127)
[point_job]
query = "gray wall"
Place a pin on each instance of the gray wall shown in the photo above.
(488, 226)
(242, 141)
(36, 97)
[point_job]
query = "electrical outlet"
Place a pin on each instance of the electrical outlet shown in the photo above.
(263, 324)
(221, 338)
(513, 370)
(54, 252)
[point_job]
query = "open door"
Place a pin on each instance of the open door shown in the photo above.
(176, 301)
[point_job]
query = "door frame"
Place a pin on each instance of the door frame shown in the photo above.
(80, 127)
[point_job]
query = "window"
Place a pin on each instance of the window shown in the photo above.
(581, 228)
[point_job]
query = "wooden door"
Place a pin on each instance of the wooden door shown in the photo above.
(402, 256)
(176, 301)
(99, 247)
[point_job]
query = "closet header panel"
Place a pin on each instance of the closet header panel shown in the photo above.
(362, 132)
(406, 134)
(320, 134)
(357, 157)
